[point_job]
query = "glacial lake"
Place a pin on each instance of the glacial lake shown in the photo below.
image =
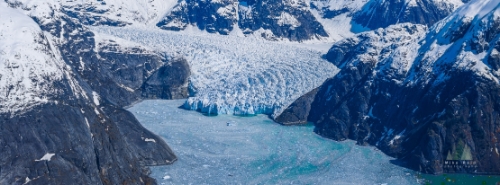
(255, 150)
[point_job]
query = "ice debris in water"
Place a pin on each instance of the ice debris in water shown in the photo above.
(255, 150)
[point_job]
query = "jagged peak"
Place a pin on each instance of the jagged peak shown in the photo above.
(382, 13)
(463, 41)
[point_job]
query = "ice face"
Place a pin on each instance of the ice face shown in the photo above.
(238, 75)
(254, 150)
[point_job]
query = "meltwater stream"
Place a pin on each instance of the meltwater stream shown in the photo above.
(255, 150)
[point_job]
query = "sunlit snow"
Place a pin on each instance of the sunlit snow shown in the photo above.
(237, 75)
(255, 150)
(27, 67)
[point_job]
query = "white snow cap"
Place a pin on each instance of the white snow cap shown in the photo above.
(27, 66)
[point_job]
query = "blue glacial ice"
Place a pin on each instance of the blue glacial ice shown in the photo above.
(255, 150)
(236, 75)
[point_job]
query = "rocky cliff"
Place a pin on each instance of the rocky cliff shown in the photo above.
(62, 91)
(429, 98)
(381, 14)
(270, 19)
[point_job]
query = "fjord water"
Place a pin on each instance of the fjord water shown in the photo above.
(255, 150)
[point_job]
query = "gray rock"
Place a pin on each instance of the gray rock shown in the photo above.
(298, 111)
(283, 20)
(423, 112)
(381, 14)
(75, 140)
(169, 81)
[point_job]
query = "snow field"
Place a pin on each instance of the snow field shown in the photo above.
(27, 67)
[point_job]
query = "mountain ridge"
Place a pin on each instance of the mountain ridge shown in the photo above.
(76, 127)
(416, 100)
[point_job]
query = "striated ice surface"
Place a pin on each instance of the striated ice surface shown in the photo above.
(238, 75)
(254, 150)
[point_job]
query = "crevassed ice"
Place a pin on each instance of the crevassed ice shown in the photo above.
(238, 75)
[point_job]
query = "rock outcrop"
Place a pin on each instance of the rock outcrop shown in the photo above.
(427, 98)
(273, 20)
(381, 14)
(62, 96)
(298, 111)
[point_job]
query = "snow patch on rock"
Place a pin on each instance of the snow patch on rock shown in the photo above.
(285, 19)
(46, 157)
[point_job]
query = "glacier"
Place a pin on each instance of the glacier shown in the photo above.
(254, 150)
(237, 75)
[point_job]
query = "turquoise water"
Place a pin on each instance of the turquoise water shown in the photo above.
(460, 179)
(255, 150)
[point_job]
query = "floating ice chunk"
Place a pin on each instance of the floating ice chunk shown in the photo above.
(46, 157)
(166, 177)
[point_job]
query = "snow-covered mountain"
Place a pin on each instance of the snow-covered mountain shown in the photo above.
(115, 12)
(63, 81)
(25, 50)
(269, 18)
(291, 20)
(382, 13)
(300, 20)
(425, 97)
(61, 91)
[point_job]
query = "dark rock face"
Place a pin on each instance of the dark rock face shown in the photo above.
(204, 14)
(119, 74)
(282, 19)
(83, 14)
(328, 14)
(427, 108)
(381, 14)
(76, 140)
(298, 112)
(88, 146)
(169, 81)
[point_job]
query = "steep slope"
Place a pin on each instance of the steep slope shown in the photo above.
(429, 99)
(115, 12)
(56, 120)
(288, 20)
(382, 13)
(122, 72)
(270, 19)
(336, 17)
(303, 20)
